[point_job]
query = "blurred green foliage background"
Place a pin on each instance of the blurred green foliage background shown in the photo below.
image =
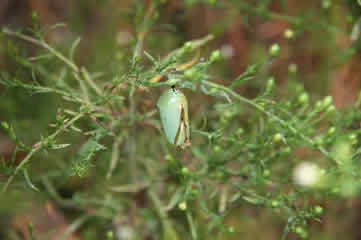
(319, 55)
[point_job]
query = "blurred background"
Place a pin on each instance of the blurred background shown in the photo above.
(319, 42)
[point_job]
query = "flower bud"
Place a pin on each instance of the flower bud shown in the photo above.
(274, 50)
(352, 138)
(331, 130)
(303, 98)
(185, 171)
(330, 109)
(275, 203)
(318, 210)
(216, 149)
(292, 68)
(277, 137)
(327, 101)
(188, 46)
(306, 174)
(215, 56)
(270, 84)
(190, 73)
(182, 206)
(326, 4)
(288, 34)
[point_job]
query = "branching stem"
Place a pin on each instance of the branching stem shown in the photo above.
(37, 147)
(44, 45)
(270, 115)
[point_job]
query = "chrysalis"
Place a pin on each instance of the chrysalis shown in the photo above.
(173, 108)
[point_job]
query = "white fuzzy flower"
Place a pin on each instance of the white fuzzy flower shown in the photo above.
(227, 51)
(306, 174)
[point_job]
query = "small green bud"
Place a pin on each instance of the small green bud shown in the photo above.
(331, 130)
(188, 46)
(274, 50)
(277, 137)
(169, 157)
(301, 232)
(172, 82)
(330, 109)
(190, 73)
(266, 173)
(185, 171)
(215, 56)
(270, 84)
(286, 150)
(353, 138)
(335, 190)
(195, 192)
(318, 105)
(240, 131)
(231, 229)
(288, 34)
(304, 234)
(298, 230)
(216, 148)
(292, 68)
(326, 4)
(275, 203)
(319, 140)
(228, 114)
(182, 206)
(327, 101)
(5, 125)
(110, 235)
(318, 210)
(303, 98)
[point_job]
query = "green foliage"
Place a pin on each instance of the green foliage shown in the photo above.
(81, 162)
(243, 151)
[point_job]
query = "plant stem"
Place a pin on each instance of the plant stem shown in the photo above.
(44, 45)
(90, 81)
(37, 147)
(132, 128)
(270, 115)
(114, 160)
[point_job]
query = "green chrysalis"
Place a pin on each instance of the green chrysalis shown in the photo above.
(173, 108)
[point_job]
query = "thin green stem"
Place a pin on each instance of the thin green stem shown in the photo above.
(82, 87)
(44, 45)
(270, 115)
(90, 81)
(114, 159)
(132, 104)
(37, 147)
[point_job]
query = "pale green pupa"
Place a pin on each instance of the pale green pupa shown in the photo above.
(173, 108)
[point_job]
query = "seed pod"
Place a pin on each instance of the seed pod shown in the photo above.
(173, 109)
